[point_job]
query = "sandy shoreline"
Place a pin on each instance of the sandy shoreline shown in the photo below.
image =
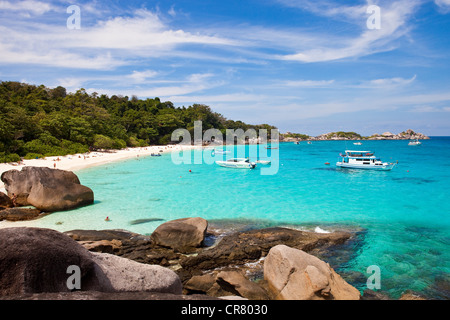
(86, 160)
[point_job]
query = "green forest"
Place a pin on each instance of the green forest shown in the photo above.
(36, 121)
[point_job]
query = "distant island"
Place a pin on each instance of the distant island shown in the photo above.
(341, 135)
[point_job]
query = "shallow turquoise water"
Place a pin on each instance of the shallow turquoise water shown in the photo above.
(404, 213)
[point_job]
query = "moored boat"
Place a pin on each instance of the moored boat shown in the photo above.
(363, 160)
(237, 163)
(414, 143)
(220, 151)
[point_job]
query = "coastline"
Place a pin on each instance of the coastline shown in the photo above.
(85, 160)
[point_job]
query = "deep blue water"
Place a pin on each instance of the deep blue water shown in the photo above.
(403, 215)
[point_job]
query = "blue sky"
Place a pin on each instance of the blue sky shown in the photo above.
(305, 66)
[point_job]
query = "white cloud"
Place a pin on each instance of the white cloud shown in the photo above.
(156, 88)
(394, 18)
(36, 7)
(172, 12)
(71, 84)
(390, 82)
(428, 108)
(142, 33)
(141, 76)
(199, 77)
(219, 98)
(120, 40)
(308, 83)
(327, 8)
(444, 5)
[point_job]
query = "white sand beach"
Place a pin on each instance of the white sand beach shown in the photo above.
(85, 160)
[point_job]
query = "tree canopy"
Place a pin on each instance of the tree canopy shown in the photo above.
(36, 121)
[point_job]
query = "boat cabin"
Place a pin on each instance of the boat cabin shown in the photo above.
(360, 157)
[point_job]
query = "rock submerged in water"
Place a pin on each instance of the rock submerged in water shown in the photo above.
(293, 274)
(47, 189)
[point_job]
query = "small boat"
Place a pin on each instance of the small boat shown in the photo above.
(414, 143)
(363, 160)
(297, 142)
(309, 142)
(156, 155)
(263, 161)
(270, 147)
(237, 163)
(357, 143)
(220, 151)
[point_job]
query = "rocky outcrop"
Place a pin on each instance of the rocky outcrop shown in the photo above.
(95, 235)
(5, 201)
(241, 252)
(405, 135)
(183, 235)
(47, 189)
(34, 260)
(19, 214)
(127, 275)
(338, 136)
(236, 283)
(293, 274)
(226, 283)
(242, 247)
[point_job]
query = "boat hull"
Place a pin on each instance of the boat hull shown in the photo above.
(235, 165)
(384, 167)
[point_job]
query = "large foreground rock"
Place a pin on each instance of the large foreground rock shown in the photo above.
(293, 274)
(128, 275)
(182, 235)
(47, 189)
(34, 260)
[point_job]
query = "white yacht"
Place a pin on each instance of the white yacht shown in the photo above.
(237, 163)
(363, 160)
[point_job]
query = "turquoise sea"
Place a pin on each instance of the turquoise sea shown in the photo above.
(402, 216)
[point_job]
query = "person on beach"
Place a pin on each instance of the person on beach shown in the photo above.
(14, 199)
